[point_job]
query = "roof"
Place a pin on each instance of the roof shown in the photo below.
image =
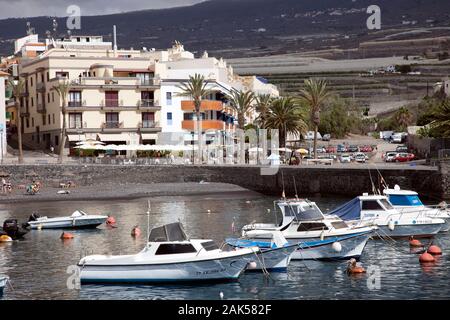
(400, 192)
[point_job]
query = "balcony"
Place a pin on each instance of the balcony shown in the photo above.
(148, 104)
(216, 105)
(76, 125)
(149, 126)
(111, 103)
(76, 104)
(41, 108)
(112, 125)
(190, 125)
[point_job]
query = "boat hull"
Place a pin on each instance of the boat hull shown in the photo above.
(220, 269)
(3, 282)
(67, 223)
(411, 230)
(276, 259)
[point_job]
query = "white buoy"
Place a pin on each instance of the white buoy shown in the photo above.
(209, 211)
(252, 265)
(391, 225)
(322, 235)
(337, 246)
(221, 295)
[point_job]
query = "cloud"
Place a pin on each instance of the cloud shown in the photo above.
(31, 8)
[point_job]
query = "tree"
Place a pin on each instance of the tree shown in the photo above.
(314, 94)
(440, 126)
(286, 115)
(196, 88)
(63, 91)
(262, 106)
(241, 102)
(403, 118)
(18, 89)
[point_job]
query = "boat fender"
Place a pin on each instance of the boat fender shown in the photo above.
(136, 232)
(110, 220)
(414, 242)
(66, 236)
(251, 265)
(353, 268)
(337, 246)
(391, 225)
(5, 238)
(434, 250)
(426, 258)
(322, 235)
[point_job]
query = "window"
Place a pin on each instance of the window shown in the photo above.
(31, 81)
(48, 76)
(147, 98)
(148, 120)
(144, 78)
(386, 204)
(111, 98)
(32, 101)
(28, 123)
(53, 115)
(74, 98)
(62, 75)
(75, 120)
(53, 97)
(339, 225)
(169, 98)
(170, 248)
(371, 205)
(44, 118)
(32, 122)
(48, 97)
(209, 245)
(169, 118)
(49, 119)
(312, 226)
(56, 140)
(112, 119)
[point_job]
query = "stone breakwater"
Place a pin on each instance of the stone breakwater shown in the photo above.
(430, 182)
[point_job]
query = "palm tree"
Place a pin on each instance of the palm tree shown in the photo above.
(241, 102)
(262, 106)
(403, 117)
(18, 89)
(441, 122)
(286, 115)
(63, 91)
(196, 88)
(314, 93)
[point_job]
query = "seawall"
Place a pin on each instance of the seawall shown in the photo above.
(430, 182)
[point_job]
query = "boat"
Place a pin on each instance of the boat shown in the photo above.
(274, 256)
(321, 237)
(12, 229)
(78, 220)
(169, 256)
(367, 210)
(3, 281)
(409, 201)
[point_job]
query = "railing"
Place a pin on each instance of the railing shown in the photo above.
(112, 125)
(77, 125)
(148, 124)
(111, 103)
(146, 103)
(147, 82)
(76, 104)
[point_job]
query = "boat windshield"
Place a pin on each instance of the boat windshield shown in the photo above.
(168, 232)
(306, 212)
(405, 200)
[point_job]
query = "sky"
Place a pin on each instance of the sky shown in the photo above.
(32, 8)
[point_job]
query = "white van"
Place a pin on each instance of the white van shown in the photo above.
(310, 135)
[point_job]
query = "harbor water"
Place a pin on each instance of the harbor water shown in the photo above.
(38, 265)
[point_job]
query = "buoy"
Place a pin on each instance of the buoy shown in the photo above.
(337, 246)
(252, 265)
(110, 220)
(209, 211)
(66, 236)
(353, 268)
(426, 258)
(434, 250)
(221, 295)
(391, 225)
(415, 243)
(136, 232)
(5, 238)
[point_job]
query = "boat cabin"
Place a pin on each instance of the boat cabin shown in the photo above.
(403, 198)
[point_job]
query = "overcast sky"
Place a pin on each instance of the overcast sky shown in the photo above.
(31, 8)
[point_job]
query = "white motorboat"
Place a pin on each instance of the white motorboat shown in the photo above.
(321, 237)
(376, 210)
(409, 201)
(274, 256)
(78, 220)
(169, 256)
(3, 282)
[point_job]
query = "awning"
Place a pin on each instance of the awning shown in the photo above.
(149, 136)
(113, 137)
(76, 137)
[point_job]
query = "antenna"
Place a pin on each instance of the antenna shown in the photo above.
(295, 186)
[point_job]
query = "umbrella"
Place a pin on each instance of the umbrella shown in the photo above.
(302, 151)
(284, 149)
(112, 147)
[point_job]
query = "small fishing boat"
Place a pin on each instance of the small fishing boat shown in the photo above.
(321, 237)
(12, 229)
(274, 256)
(367, 210)
(78, 220)
(409, 201)
(3, 282)
(169, 256)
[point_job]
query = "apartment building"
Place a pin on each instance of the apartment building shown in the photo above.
(123, 96)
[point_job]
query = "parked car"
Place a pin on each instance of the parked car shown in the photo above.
(360, 157)
(345, 158)
(386, 135)
(398, 137)
(310, 135)
(326, 137)
(402, 148)
(366, 149)
(331, 149)
(404, 157)
(353, 148)
(390, 156)
(341, 148)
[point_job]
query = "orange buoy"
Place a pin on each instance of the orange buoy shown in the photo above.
(110, 220)
(426, 258)
(136, 232)
(5, 238)
(353, 268)
(434, 250)
(66, 236)
(415, 243)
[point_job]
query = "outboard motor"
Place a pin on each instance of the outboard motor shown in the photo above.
(12, 229)
(34, 216)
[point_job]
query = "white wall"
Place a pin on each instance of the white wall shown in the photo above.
(2, 117)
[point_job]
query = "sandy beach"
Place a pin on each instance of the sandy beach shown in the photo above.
(123, 191)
